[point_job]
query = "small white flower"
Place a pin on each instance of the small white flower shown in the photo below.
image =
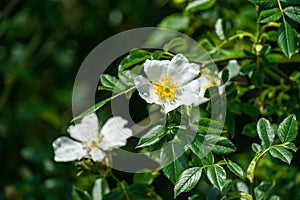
(169, 83)
(89, 141)
(207, 80)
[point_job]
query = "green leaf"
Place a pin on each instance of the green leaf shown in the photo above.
(225, 75)
(152, 136)
(200, 5)
(138, 189)
(176, 42)
(265, 132)
(126, 77)
(258, 77)
(236, 169)
(265, 3)
(250, 109)
(92, 109)
(175, 22)
(100, 188)
(220, 145)
(291, 146)
(208, 159)
(293, 12)
(114, 195)
(110, 83)
(157, 54)
(209, 126)
(135, 56)
(201, 151)
(145, 177)
(188, 180)
(288, 129)
(281, 153)
(256, 148)
(270, 15)
(173, 160)
(250, 130)
(291, 1)
(78, 194)
(263, 190)
(217, 176)
(287, 39)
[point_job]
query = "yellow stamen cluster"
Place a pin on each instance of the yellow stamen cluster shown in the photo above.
(166, 89)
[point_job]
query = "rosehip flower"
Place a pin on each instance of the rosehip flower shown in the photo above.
(169, 83)
(207, 80)
(89, 141)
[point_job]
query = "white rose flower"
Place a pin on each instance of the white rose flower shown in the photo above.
(169, 83)
(204, 82)
(89, 141)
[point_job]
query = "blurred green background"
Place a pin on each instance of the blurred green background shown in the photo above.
(42, 44)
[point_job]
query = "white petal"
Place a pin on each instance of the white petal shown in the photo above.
(114, 133)
(146, 90)
(156, 69)
(66, 149)
(171, 106)
(181, 70)
(188, 93)
(204, 83)
(86, 130)
(221, 89)
(200, 100)
(96, 154)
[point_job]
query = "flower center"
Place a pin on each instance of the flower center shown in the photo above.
(92, 143)
(166, 88)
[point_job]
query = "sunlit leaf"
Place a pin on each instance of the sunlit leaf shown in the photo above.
(236, 169)
(173, 160)
(293, 12)
(291, 146)
(220, 145)
(135, 56)
(256, 148)
(265, 132)
(152, 136)
(217, 176)
(288, 129)
(200, 5)
(287, 39)
(187, 180)
(271, 15)
(281, 153)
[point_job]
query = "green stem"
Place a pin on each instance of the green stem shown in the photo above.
(253, 164)
(121, 93)
(239, 35)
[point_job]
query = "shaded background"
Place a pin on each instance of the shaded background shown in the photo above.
(42, 44)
